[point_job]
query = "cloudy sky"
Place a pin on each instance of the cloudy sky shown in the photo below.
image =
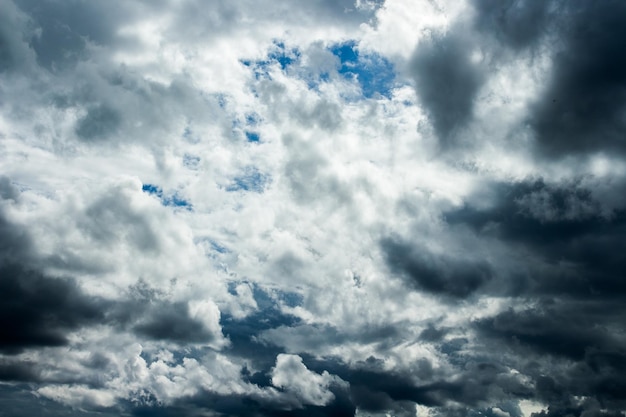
(313, 208)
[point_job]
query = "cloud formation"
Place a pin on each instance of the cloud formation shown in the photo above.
(347, 208)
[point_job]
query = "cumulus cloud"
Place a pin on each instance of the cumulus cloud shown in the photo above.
(293, 376)
(278, 208)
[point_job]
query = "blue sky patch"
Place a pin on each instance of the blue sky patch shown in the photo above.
(253, 119)
(374, 73)
(218, 247)
(250, 180)
(152, 189)
(285, 57)
(252, 136)
(278, 54)
(290, 299)
(167, 200)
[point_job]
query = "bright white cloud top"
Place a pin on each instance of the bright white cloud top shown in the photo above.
(347, 208)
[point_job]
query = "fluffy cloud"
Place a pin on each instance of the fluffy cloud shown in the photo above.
(357, 208)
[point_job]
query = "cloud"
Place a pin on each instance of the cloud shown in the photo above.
(581, 110)
(576, 333)
(447, 80)
(292, 375)
(39, 311)
(565, 226)
(517, 24)
(349, 208)
(173, 322)
(15, 55)
(439, 275)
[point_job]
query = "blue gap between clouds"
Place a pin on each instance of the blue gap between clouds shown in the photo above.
(170, 201)
(374, 73)
(242, 332)
(268, 314)
(252, 120)
(252, 136)
(218, 247)
(278, 54)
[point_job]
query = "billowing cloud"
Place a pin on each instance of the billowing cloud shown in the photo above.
(346, 208)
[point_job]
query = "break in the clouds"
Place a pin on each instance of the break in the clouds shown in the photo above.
(282, 208)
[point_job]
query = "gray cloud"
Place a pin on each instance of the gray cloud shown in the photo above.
(579, 334)
(171, 321)
(35, 310)
(447, 81)
(563, 225)
(439, 275)
(39, 311)
(582, 109)
(566, 297)
(100, 122)
(15, 54)
(515, 23)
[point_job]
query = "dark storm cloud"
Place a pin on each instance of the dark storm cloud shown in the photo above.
(515, 23)
(563, 227)
(567, 349)
(374, 388)
(36, 310)
(568, 329)
(583, 108)
(441, 275)
(447, 81)
(546, 368)
(15, 371)
(171, 321)
(563, 333)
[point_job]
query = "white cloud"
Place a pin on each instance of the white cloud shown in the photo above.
(309, 387)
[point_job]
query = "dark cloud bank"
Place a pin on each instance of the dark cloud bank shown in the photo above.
(564, 329)
(565, 278)
(581, 109)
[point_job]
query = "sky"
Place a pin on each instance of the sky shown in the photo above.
(362, 208)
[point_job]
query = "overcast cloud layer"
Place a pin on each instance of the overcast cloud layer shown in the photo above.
(313, 208)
